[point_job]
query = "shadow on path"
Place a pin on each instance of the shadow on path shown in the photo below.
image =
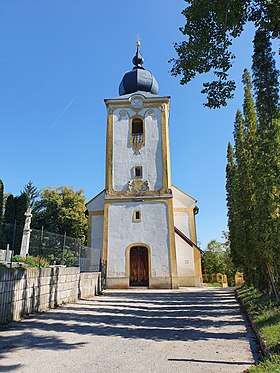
(170, 316)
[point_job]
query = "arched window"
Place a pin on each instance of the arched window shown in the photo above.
(137, 134)
(137, 126)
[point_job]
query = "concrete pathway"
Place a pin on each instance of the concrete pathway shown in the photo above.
(190, 331)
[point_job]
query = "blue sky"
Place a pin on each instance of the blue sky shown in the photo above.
(60, 59)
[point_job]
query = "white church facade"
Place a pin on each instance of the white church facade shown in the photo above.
(143, 225)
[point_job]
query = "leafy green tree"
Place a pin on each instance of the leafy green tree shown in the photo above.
(210, 29)
(212, 259)
(32, 193)
(61, 210)
(230, 268)
(217, 259)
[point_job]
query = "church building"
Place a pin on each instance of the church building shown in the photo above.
(143, 225)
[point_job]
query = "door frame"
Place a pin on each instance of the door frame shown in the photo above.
(127, 259)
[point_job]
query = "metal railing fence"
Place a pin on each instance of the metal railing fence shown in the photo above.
(56, 249)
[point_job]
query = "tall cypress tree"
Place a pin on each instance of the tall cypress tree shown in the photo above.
(267, 170)
(231, 173)
(246, 174)
(10, 212)
(239, 185)
(9, 219)
(32, 193)
(15, 209)
(265, 79)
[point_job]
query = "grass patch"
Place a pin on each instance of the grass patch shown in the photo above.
(266, 314)
(267, 366)
(214, 284)
(31, 261)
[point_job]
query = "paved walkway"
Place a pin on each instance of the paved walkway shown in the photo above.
(190, 331)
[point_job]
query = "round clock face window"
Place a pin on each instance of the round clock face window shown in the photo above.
(137, 103)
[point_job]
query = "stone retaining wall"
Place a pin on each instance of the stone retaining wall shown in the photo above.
(24, 291)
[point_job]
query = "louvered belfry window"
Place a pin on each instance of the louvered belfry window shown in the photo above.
(137, 126)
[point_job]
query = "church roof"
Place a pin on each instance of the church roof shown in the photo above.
(101, 194)
(138, 79)
(180, 192)
(186, 239)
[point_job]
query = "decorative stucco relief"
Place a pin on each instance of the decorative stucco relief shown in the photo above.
(137, 143)
(138, 185)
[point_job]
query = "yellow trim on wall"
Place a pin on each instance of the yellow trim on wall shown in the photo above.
(181, 209)
(172, 247)
(137, 194)
(105, 232)
(135, 217)
(192, 226)
(134, 172)
(162, 104)
(169, 184)
(197, 262)
(138, 198)
(136, 116)
(120, 103)
(97, 212)
(164, 141)
(109, 153)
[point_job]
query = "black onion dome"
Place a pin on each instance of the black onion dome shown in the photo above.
(138, 79)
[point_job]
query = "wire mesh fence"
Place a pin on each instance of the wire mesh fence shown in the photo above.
(60, 249)
(57, 249)
(10, 235)
(54, 248)
(90, 259)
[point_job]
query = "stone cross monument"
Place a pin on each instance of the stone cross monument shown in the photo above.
(26, 233)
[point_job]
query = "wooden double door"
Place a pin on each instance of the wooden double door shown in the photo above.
(139, 266)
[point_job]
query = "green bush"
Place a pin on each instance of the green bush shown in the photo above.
(18, 258)
(36, 261)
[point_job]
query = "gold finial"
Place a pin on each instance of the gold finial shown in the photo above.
(138, 38)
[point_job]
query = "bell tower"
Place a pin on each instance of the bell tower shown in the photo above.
(138, 196)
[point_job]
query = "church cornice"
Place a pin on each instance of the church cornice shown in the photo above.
(137, 198)
(121, 100)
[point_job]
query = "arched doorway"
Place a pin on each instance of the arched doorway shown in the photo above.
(139, 266)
